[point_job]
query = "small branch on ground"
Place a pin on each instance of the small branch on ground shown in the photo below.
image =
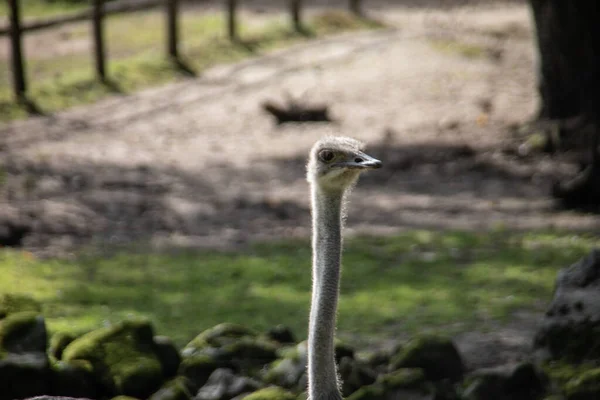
(295, 112)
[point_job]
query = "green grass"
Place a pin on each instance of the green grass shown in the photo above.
(137, 57)
(413, 282)
(450, 46)
(45, 8)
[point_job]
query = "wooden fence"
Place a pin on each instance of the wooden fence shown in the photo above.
(96, 14)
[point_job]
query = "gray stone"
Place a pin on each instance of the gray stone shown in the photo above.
(168, 355)
(23, 332)
(437, 356)
(571, 327)
(508, 382)
(24, 375)
(224, 384)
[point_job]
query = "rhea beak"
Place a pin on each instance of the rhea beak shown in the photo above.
(363, 161)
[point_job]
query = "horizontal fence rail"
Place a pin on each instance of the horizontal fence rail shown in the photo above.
(97, 13)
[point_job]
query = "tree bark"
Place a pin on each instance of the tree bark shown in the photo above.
(568, 38)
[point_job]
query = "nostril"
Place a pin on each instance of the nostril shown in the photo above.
(358, 160)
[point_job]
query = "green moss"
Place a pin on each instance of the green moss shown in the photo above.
(13, 302)
(59, 342)
(198, 367)
(585, 386)
(271, 393)
(375, 391)
(175, 389)
(455, 47)
(122, 357)
(561, 372)
(220, 335)
(292, 352)
(247, 348)
(403, 378)
(436, 355)
(285, 372)
(15, 327)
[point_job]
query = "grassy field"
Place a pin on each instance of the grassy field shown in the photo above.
(136, 54)
(44, 8)
(419, 280)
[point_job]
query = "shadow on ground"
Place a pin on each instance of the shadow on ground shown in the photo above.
(433, 186)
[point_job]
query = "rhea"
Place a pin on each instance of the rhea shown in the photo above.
(334, 166)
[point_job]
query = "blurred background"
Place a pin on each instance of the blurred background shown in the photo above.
(152, 163)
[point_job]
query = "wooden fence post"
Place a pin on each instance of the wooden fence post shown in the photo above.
(18, 69)
(296, 10)
(355, 7)
(97, 16)
(232, 19)
(172, 28)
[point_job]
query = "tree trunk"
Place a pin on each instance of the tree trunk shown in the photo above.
(568, 36)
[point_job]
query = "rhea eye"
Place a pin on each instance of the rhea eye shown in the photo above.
(326, 155)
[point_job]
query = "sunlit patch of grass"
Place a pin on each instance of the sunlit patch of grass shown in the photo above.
(44, 8)
(415, 281)
(459, 48)
(136, 56)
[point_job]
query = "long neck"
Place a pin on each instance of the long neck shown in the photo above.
(327, 245)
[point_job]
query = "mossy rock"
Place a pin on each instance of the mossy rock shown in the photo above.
(289, 370)
(436, 355)
(24, 375)
(509, 382)
(23, 332)
(271, 393)
(585, 386)
(175, 389)
(398, 384)
(224, 384)
(218, 336)
(122, 357)
(297, 352)
(354, 375)
(342, 350)
(74, 379)
(247, 352)
(404, 378)
(280, 334)
(168, 355)
(375, 391)
(198, 368)
(302, 396)
(58, 343)
(561, 373)
(287, 373)
(379, 360)
(571, 342)
(11, 303)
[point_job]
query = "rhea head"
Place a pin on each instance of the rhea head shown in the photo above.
(336, 162)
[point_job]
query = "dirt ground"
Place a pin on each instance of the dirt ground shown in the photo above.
(199, 164)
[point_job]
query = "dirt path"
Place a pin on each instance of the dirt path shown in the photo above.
(198, 163)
